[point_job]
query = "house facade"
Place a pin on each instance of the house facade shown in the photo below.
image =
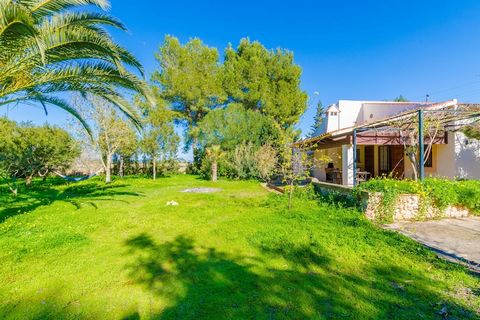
(452, 155)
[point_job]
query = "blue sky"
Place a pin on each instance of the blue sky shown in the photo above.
(372, 50)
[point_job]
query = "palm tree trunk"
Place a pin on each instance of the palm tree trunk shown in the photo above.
(214, 171)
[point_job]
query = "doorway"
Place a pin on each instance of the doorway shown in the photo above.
(391, 161)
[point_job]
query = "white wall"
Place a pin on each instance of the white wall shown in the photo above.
(349, 112)
(444, 158)
(453, 160)
(467, 157)
(356, 112)
(372, 112)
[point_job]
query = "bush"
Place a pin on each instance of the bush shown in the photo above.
(246, 161)
(27, 151)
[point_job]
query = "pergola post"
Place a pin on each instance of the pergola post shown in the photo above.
(347, 164)
(421, 146)
(354, 157)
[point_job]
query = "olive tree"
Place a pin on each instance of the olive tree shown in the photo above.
(27, 151)
(109, 131)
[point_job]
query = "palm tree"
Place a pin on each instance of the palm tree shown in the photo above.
(50, 47)
(214, 154)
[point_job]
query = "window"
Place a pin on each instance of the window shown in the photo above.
(358, 156)
(429, 160)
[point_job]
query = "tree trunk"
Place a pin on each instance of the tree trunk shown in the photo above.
(108, 169)
(414, 164)
(290, 196)
(136, 165)
(13, 187)
(28, 180)
(154, 165)
(197, 157)
(44, 176)
(13, 190)
(120, 167)
(214, 171)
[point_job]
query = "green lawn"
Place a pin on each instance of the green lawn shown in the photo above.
(90, 251)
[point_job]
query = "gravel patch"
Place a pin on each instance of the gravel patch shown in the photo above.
(202, 190)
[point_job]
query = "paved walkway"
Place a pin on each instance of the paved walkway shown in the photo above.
(456, 239)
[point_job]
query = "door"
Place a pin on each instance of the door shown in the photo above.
(370, 160)
(391, 161)
(397, 162)
(384, 160)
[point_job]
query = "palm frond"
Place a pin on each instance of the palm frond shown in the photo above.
(84, 19)
(42, 8)
(125, 107)
(48, 49)
(55, 101)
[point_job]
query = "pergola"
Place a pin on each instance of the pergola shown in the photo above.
(422, 120)
(429, 123)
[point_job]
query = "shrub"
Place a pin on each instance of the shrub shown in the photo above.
(246, 161)
(266, 161)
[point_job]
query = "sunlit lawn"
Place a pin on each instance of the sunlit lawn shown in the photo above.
(87, 251)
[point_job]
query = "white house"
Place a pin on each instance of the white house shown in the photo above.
(453, 155)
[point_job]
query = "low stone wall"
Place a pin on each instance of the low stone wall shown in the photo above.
(361, 199)
(407, 206)
(410, 207)
(326, 188)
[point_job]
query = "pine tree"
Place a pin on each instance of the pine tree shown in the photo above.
(318, 120)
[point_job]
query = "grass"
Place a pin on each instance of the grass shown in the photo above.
(90, 251)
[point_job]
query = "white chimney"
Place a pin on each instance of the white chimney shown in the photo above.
(332, 118)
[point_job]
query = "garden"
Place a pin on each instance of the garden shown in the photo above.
(90, 250)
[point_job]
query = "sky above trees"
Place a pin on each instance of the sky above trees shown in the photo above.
(348, 50)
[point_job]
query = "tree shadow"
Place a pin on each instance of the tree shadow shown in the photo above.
(196, 282)
(76, 195)
(46, 305)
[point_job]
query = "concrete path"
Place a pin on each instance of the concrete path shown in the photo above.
(455, 239)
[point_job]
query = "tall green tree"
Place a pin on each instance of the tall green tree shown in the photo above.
(317, 120)
(235, 125)
(50, 47)
(400, 98)
(265, 80)
(190, 79)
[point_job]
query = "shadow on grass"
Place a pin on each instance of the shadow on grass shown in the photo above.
(201, 283)
(76, 195)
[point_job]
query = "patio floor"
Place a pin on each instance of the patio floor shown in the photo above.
(454, 239)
